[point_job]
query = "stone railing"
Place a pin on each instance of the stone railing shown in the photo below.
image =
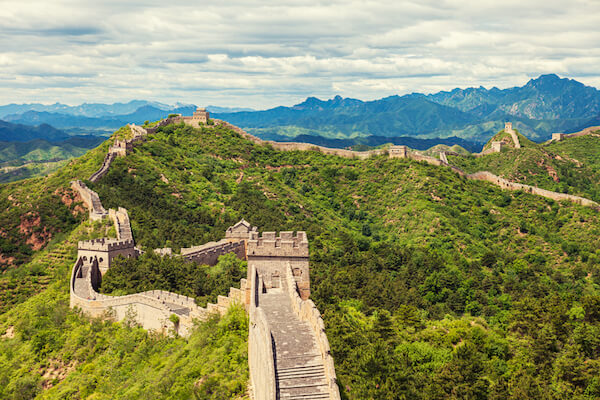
(307, 311)
(90, 199)
(261, 359)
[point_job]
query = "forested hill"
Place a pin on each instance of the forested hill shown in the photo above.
(431, 286)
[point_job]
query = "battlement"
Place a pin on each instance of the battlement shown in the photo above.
(105, 244)
(285, 245)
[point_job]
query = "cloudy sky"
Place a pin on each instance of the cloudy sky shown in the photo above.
(265, 53)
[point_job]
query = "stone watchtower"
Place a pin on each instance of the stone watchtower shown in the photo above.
(508, 127)
(271, 255)
(242, 230)
(398, 151)
(104, 250)
(199, 116)
(497, 146)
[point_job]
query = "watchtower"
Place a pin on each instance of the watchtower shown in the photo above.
(104, 250)
(398, 151)
(508, 127)
(557, 137)
(497, 146)
(271, 254)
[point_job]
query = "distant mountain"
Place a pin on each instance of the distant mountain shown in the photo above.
(542, 106)
(87, 109)
(10, 132)
(62, 120)
(547, 97)
(374, 141)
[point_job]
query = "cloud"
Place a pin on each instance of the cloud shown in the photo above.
(265, 53)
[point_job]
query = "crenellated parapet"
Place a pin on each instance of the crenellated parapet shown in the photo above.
(270, 253)
(285, 245)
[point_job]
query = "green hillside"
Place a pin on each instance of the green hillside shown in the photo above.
(437, 149)
(431, 286)
(571, 166)
(21, 160)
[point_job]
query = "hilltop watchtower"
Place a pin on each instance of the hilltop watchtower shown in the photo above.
(199, 116)
(508, 127)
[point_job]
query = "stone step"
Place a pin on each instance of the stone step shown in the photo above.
(308, 396)
(300, 373)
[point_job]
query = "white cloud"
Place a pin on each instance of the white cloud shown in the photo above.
(265, 53)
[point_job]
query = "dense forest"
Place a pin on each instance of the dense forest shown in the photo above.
(431, 286)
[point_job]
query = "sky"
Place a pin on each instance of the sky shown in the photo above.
(261, 54)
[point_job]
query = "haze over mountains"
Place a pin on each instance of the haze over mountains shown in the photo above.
(468, 117)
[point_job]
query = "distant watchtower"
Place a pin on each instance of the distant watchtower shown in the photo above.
(199, 116)
(398, 151)
(508, 127)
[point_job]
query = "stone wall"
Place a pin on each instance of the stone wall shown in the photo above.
(261, 359)
(307, 311)
(108, 159)
(90, 199)
(209, 253)
(151, 309)
(105, 250)
(509, 129)
(505, 184)
(443, 157)
(120, 218)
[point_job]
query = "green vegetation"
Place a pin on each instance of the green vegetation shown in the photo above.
(153, 272)
(571, 166)
(52, 352)
(431, 286)
(437, 149)
(427, 281)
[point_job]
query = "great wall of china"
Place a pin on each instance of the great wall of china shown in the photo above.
(288, 351)
(289, 354)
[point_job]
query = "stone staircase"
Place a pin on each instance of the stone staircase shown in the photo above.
(299, 370)
(108, 159)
